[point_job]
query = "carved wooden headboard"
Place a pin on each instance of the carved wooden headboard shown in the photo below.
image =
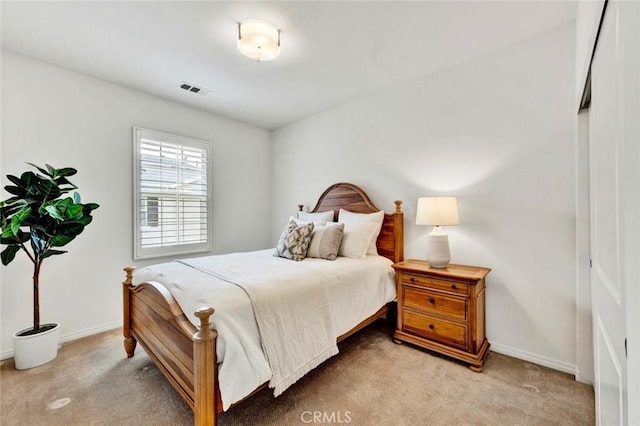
(352, 198)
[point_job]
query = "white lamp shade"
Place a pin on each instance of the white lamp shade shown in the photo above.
(258, 40)
(437, 211)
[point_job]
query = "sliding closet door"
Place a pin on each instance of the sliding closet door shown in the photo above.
(613, 173)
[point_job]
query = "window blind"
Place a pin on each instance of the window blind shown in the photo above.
(172, 209)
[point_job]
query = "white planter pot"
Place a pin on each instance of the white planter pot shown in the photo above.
(36, 349)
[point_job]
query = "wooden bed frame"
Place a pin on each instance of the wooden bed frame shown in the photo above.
(186, 355)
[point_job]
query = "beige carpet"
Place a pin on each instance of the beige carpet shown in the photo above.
(371, 382)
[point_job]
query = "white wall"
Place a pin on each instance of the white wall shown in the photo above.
(50, 115)
(497, 132)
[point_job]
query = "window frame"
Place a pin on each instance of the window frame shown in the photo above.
(140, 252)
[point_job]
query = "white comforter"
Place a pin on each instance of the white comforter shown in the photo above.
(355, 289)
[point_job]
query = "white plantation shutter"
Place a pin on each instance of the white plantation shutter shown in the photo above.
(172, 208)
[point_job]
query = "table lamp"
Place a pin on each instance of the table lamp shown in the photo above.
(437, 211)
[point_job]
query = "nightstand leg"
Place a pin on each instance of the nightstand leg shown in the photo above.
(476, 369)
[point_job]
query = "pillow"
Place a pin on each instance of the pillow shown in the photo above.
(325, 241)
(316, 217)
(356, 239)
(348, 218)
(294, 241)
(301, 222)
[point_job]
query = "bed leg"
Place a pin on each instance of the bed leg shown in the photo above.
(204, 370)
(130, 346)
(129, 341)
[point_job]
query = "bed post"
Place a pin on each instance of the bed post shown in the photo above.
(398, 226)
(129, 341)
(204, 370)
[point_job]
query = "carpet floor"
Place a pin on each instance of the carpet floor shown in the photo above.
(372, 381)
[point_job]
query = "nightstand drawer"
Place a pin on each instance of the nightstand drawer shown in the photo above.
(452, 286)
(434, 303)
(435, 329)
(435, 284)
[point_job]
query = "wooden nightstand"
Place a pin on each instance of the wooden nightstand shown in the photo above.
(443, 310)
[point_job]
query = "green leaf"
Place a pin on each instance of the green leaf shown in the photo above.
(74, 212)
(46, 172)
(28, 178)
(16, 181)
(16, 221)
(53, 211)
(70, 228)
(85, 220)
(9, 254)
(62, 240)
(13, 200)
(14, 190)
(11, 208)
(51, 252)
(91, 206)
(21, 236)
(67, 171)
(52, 171)
(76, 198)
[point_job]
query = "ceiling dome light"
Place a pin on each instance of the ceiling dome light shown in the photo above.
(258, 40)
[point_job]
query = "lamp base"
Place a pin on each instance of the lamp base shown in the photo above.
(438, 254)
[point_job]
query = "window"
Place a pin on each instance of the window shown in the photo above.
(172, 201)
(149, 211)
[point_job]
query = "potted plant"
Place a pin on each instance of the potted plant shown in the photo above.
(39, 219)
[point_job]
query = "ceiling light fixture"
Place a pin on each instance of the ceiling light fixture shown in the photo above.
(258, 40)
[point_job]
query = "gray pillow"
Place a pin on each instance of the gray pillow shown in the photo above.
(294, 241)
(325, 241)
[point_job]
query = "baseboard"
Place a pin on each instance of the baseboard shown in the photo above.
(581, 379)
(565, 367)
(8, 353)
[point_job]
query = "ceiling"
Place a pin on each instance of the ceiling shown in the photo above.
(332, 52)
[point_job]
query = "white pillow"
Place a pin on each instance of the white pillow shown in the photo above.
(301, 222)
(356, 239)
(316, 217)
(348, 218)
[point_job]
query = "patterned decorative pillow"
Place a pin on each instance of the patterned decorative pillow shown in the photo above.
(325, 241)
(294, 241)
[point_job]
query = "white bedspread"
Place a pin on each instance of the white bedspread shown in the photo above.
(296, 326)
(354, 288)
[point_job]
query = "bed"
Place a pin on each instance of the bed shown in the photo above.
(186, 354)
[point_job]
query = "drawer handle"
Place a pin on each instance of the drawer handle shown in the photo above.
(432, 301)
(453, 286)
(412, 280)
(431, 326)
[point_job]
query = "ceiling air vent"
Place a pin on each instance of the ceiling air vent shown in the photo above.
(194, 89)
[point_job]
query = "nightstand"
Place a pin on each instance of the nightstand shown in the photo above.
(443, 310)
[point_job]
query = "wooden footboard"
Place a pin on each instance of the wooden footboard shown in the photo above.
(185, 355)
